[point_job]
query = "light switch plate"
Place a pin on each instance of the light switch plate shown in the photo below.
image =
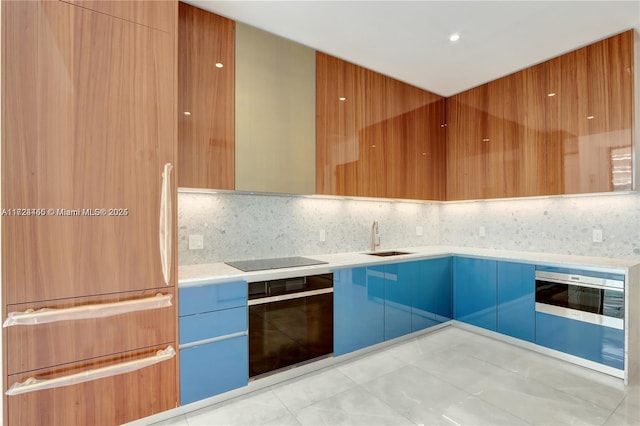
(322, 236)
(196, 242)
(482, 231)
(418, 231)
(597, 235)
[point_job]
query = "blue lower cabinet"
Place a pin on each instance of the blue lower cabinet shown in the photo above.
(431, 294)
(474, 291)
(399, 279)
(604, 345)
(358, 308)
(213, 368)
(516, 311)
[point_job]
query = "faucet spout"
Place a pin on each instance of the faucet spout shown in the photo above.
(374, 232)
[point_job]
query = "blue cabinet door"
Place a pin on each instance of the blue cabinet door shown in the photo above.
(399, 278)
(213, 368)
(598, 343)
(431, 294)
(358, 308)
(474, 291)
(516, 300)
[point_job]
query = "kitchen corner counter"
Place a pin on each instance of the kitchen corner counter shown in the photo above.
(211, 273)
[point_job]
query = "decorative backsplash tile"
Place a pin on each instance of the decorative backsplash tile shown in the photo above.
(240, 226)
(552, 224)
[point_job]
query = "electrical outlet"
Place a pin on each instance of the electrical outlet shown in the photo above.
(196, 242)
(322, 236)
(597, 235)
(419, 231)
(482, 231)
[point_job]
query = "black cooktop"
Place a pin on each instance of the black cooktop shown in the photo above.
(275, 263)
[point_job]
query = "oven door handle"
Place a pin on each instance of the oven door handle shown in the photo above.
(290, 296)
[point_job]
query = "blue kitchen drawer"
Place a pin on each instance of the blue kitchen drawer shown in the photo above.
(604, 345)
(212, 297)
(213, 368)
(212, 324)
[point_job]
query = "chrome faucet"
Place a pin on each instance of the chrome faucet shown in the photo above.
(374, 232)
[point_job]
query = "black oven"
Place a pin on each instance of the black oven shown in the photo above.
(597, 298)
(290, 322)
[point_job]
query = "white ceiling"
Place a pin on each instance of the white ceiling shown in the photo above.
(409, 40)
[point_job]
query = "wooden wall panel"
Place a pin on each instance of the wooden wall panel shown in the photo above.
(384, 140)
(89, 122)
(206, 137)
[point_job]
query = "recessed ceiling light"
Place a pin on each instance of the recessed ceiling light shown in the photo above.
(551, 94)
(342, 99)
(590, 117)
(454, 37)
(187, 113)
(486, 140)
(219, 65)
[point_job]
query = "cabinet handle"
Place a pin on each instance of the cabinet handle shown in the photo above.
(32, 384)
(46, 315)
(165, 223)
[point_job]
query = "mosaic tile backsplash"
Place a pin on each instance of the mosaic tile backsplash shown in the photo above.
(240, 226)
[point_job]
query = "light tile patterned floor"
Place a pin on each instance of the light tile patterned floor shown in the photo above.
(450, 377)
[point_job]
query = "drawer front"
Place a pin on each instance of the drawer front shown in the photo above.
(212, 297)
(598, 343)
(213, 368)
(212, 324)
(31, 347)
(108, 401)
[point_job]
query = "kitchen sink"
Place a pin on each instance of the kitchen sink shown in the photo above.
(388, 253)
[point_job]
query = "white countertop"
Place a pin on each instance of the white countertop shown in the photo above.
(211, 273)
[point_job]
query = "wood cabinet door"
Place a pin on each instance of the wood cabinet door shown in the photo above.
(88, 124)
(206, 99)
(474, 143)
(376, 136)
(590, 117)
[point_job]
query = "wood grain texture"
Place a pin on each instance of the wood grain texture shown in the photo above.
(89, 120)
(109, 401)
(383, 140)
(508, 138)
(46, 345)
(591, 115)
(206, 137)
(89, 112)
(158, 14)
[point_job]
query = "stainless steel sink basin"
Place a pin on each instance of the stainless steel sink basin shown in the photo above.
(388, 253)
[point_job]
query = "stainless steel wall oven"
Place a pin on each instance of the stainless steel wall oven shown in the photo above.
(596, 298)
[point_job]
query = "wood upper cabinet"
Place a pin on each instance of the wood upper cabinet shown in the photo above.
(495, 138)
(560, 127)
(206, 99)
(88, 123)
(590, 117)
(376, 136)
